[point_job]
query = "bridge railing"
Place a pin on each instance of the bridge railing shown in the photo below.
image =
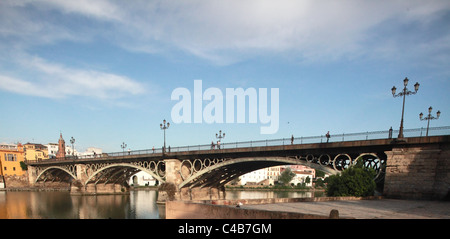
(417, 132)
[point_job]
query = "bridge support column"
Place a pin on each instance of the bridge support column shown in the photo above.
(32, 175)
(169, 190)
(419, 172)
(198, 193)
(77, 187)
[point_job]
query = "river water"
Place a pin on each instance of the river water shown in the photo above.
(136, 205)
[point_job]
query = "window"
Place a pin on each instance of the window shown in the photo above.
(10, 157)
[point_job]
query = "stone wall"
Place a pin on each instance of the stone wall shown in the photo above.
(226, 209)
(13, 181)
(189, 210)
(418, 172)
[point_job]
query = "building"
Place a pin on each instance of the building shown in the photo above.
(52, 148)
(91, 152)
(10, 157)
(301, 178)
(142, 179)
(265, 176)
(268, 176)
(61, 153)
(34, 152)
(302, 168)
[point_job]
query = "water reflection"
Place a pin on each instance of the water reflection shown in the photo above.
(23, 205)
(266, 194)
(137, 205)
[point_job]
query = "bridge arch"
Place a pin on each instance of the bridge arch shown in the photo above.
(101, 170)
(197, 173)
(69, 172)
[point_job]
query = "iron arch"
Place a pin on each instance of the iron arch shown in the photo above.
(157, 177)
(272, 161)
(71, 174)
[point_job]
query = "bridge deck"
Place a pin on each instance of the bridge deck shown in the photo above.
(278, 150)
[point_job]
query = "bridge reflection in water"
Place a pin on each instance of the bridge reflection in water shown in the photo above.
(140, 204)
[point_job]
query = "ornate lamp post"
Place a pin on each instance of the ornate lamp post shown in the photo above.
(220, 136)
(430, 117)
(404, 93)
(123, 146)
(163, 126)
(72, 141)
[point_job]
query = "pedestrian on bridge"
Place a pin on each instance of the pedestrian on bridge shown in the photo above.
(328, 136)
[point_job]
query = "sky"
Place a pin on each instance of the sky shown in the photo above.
(104, 71)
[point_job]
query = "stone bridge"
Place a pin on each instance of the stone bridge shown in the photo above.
(417, 167)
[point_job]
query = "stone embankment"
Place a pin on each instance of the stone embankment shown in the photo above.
(238, 209)
(310, 208)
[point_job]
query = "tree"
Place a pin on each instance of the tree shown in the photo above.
(23, 165)
(286, 176)
(354, 181)
(307, 180)
(320, 174)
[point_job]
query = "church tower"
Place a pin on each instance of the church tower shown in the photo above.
(61, 147)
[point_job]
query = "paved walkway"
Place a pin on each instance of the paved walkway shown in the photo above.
(367, 209)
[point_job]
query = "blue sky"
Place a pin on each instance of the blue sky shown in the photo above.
(103, 71)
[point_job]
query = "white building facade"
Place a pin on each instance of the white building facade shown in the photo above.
(268, 176)
(265, 176)
(142, 179)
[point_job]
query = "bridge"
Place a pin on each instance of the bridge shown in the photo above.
(414, 167)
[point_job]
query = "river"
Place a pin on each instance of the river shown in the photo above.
(139, 204)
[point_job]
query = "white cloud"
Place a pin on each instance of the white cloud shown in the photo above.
(53, 80)
(225, 31)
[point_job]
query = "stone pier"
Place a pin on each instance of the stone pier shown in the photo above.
(418, 172)
(170, 191)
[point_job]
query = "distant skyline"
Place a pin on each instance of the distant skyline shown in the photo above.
(103, 71)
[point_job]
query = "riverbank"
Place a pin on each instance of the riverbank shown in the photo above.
(273, 188)
(35, 189)
(375, 207)
(383, 208)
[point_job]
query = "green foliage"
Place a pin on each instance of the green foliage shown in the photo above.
(320, 183)
(286, 176)
(354, 181)
(320, 174)
(23, 165)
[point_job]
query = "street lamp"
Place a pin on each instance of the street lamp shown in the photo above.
(430, 117)
(72, 141)
(164, 127)
(404, 93)
(123, 146)
(220, 136)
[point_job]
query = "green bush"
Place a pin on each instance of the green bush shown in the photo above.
(354, 181)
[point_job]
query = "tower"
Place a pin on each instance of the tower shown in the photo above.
(61, 147)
